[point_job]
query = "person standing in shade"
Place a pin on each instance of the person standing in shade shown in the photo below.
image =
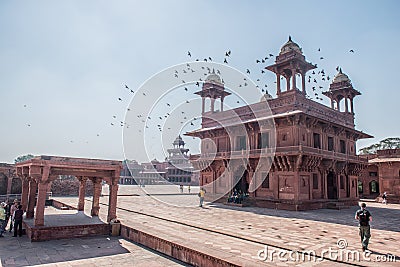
(13, 208)
(8, 213)
(18, 221)
(202, 193)
(2, 218)
(364, 217)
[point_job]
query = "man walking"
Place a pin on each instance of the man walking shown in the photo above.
(364, 217)
(202, 193)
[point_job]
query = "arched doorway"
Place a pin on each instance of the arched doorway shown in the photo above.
(332, 185)
(374, 188)
(240, 181)
(360, 188)
(16, 186)
(3, 184)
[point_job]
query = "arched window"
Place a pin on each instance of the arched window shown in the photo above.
(374, 187)
(360, 187)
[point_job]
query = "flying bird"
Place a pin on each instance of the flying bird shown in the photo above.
(351, 51)
(189, 54)
(120, 99)
(126, 86)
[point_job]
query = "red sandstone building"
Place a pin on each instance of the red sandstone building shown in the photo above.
(381, 175)
(314, 164)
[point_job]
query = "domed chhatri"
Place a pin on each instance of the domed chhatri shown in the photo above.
(341, 77)
(213, 77)
(179, 142)
(290, 46)
(265, 97)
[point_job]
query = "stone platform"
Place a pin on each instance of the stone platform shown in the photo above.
(61, 224)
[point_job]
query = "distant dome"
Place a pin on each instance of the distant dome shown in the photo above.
(213, 78)
(341, 77)
(178, 141)
(290, 46)
(265, 97)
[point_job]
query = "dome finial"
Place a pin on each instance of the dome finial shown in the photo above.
(340, 70)
(290, 38)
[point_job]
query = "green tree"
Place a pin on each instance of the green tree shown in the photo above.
(23, 158)
(388, 143)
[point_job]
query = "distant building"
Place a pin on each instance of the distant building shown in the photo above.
(179, 170)
(9, 182)
(175, 169)
(381, 175)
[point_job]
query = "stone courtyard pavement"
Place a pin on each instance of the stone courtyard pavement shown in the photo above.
(243, 232)
(91, 251)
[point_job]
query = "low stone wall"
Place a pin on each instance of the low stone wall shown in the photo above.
(59, 205)
(60, 232)
(179, 252)
(70, 187)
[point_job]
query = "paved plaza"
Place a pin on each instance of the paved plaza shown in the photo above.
(240, 235)
(242, 232)
(91, 251)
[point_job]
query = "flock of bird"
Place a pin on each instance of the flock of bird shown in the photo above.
(314, 79)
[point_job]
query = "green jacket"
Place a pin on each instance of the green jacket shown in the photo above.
(2, 213)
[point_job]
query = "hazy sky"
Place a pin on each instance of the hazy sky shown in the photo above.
(64, 64)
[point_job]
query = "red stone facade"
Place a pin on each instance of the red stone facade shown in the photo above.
(381, 175)
(299, 155)
(9, 182)
(69, 186)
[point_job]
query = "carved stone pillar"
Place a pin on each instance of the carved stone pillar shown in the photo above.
(203, 104)
(278, 84)
(31, 198)
(9, 183)
(296, 186)
(346, 105)
(287, 82)
(25, 192)
(212, 104)
(82, 192)
(112, 199)
(303, 83)
(40, 205)
(96, 197)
